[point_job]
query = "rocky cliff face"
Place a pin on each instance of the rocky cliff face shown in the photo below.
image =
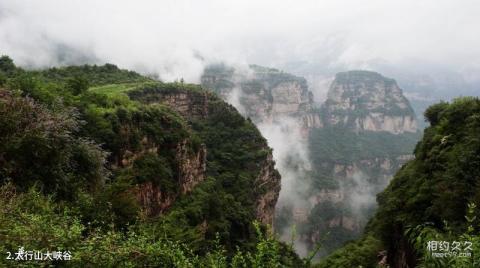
(191, 170)
(267, 190)
(263, 94)
(192, 166)
(358, 182)
(343, 188)
(187, 103)
(363, 100)
(367, 126)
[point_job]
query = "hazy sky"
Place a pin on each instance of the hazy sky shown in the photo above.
(176, 38)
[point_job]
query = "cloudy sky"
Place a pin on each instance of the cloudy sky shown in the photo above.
(177, 38)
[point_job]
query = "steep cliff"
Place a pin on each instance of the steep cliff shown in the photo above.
(188, 103)
(198, 106)
(267, 185)
(430, 198)
(363, 100)
(265, 95)
(363, 133)
(367, 131)
(190, 170)
(122, 151)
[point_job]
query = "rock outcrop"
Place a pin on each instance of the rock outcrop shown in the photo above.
(265, 95)
(152, 199)
(191, 170)
(359, 181)
(187, 103)
(267, 190)
(357, 102)
(369, 106)
(371, 124)
(194, 105)
(191, 167)
(363, 100)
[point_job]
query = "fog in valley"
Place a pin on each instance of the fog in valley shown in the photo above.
(432, 49)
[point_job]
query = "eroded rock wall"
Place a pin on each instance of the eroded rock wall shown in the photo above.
(368, 101)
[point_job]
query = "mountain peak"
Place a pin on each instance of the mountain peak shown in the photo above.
(366, 100)
(362, 75)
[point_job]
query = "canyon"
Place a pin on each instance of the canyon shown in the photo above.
(335, 156)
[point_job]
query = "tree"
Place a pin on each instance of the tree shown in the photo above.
(433, 113)
(6, 65)
(24, 82)
(37, 147)
(78, 84)
(3, 79)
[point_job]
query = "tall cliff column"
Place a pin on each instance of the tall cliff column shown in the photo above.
(267, 190)
(364, 100)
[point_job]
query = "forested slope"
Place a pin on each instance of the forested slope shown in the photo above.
(124, 170)
(432, 198)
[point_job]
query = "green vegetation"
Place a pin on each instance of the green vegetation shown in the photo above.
(333, 236)
(78, 143)
(361, 253)
(331, 145)
(348, 162)
(96, 75)
(345, 146)
(35, 221)
(37, 146)
(431, 194)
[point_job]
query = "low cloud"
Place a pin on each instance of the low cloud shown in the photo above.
(175, 39)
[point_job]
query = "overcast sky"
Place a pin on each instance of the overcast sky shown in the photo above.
(176, 38)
